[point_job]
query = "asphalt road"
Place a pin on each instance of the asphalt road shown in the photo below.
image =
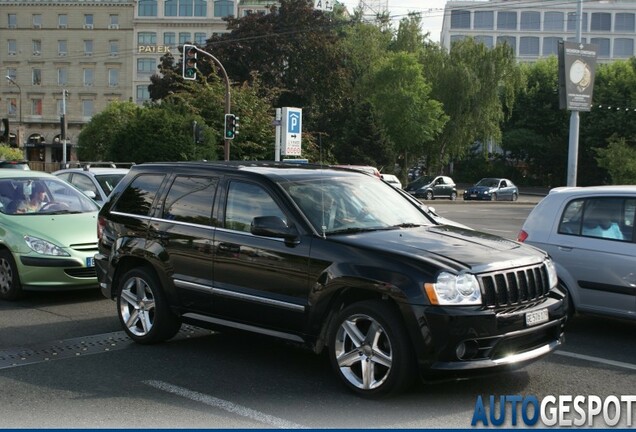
(65, 363)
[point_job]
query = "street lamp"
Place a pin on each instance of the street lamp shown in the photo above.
(17, 136)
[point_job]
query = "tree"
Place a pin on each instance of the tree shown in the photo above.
(10, 153)
(477, 87)
(619, 159)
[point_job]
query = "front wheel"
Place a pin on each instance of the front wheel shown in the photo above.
(429, 195)
(10, 287)
(453, 196)
(370, 351)
(515, 196)
(493, 197)
(143, 309)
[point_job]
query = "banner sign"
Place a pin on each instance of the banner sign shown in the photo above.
(577, 63)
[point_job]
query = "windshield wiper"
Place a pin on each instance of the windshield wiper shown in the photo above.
(407, 225)
(59, 212)
(354, 230)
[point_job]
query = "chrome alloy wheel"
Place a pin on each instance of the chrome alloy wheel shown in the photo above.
(137, 306)
(363, 352)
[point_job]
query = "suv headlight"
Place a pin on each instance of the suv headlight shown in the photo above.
(44, 247)
(553, 279)
(451, 289)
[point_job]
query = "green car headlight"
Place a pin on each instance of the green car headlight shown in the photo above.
(44, 247)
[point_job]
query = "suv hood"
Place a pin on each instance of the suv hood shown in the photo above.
(465, 247)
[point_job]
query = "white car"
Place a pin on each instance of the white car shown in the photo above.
(589, 233)
(392, 180)
(96, 182)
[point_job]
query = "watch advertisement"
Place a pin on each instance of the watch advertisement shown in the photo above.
(577, 62)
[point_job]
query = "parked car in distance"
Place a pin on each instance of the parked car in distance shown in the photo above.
(589, 232)
(15, 164)
(95, 181)
(492, 189)
(331, 259)
(48, 234)
(431, 187)
(391, 179)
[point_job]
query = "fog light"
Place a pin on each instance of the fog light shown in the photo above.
(467, 350)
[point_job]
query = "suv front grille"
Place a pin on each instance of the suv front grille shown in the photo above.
(514, 287)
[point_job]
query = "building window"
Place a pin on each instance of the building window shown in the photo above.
(12, 46)
(37, 21)
(603, 46)
(170, 8)
(143, 94)
(89, 77)
(62, 76)
(184, 38)
(484, 20)
(12, 73)
(147, 8)
(506, 20)
(88, 47)
(12, 107)
(200, 8)
(146, 65)
(530, 21)
(62, 21)
(486, 40)
(623, 47)
(113, 77)
(551, 45)
(553, 21)
(88, 20)
(12, 21)
(37, 47)
(572, 21)
(601, 21)
(146, 38)
(511, 41)
(114, 21)
(460, 19)
(170, 39)
(624, 22)
(36, 107)
(87, 107)
(186, 8)
(200, 38)
(36, 77)
(529, 46)
(114, 48)
(62, 48)
(223, 8)
(456, 38)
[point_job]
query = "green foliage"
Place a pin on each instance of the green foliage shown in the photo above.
(619, 159)
(10, 153)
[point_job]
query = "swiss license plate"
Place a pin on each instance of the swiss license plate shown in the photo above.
(90, 262)
(537, 317)
(473, 195)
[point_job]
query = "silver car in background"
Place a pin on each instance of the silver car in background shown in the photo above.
(589, 233)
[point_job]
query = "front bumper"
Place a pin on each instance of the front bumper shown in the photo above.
(49, 273)
(463, 341)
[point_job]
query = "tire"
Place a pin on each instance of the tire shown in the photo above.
(370, 350)
(493, 197)
(10, 286)
(453, 196)
(515, 197)
(143, 309)
(429, 195)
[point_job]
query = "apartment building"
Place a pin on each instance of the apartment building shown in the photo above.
(98, 51)
(534, 28)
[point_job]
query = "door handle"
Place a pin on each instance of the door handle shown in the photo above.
(565, 248)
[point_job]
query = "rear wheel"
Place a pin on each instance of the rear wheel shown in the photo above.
(370, 351)
(515, 196)
(143, 309)
(10, 287)
(453, 196)
(429, 195)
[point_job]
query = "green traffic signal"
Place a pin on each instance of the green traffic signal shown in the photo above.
(230, 126)
(189, 70)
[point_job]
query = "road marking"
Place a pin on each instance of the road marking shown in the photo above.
(597, 360)
(224, 405)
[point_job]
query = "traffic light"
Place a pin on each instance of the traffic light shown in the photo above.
(189, 62)
(231, 124)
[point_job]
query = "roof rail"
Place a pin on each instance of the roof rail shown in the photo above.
(87, 165)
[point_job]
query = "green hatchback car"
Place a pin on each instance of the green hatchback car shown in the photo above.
(48, 234)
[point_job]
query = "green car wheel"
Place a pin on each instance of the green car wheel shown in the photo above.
(10, 288)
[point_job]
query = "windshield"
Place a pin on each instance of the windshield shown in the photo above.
(422, 181)
(348, 204)
(109, 181)
(488, 182)
(40, 195)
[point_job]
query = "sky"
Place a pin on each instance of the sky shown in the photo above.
(432, 12)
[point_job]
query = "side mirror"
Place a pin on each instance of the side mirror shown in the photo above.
(273, 226)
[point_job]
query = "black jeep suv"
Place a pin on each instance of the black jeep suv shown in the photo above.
(329, 258)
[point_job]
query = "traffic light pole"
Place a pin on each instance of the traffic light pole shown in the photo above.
(228, 106)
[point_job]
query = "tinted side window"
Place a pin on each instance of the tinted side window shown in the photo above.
(138, 197)
(84, 184)
(190, 200)
(609, 218)
(245, 201)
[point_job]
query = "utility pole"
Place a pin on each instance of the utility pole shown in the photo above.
(573, 147)
(64, 127)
